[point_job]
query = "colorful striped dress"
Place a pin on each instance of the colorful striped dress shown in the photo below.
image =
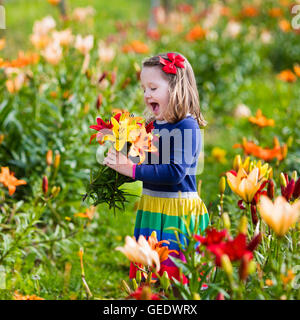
(169, 188)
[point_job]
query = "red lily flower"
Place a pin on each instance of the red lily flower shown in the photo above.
(149, 127)
(212, 236)
(143, 293)
(236, 249)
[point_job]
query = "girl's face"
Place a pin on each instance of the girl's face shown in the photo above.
(156, 90)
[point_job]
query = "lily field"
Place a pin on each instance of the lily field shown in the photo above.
(63, 64)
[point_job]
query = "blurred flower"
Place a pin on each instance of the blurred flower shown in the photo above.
(9, 180)
(284, 25)
(39, 41)
(64, 37)
(16, 83)
(163, 251)
(219, 154)
(242, 111)
(287, 76)
(266, 36)
(266, 154)
(135, 46)
(288, 278)
(84, 44)
(297, 69)
(143, 293)
(54, 2)
(44, 26)
(249, 11)
(160, 14)
(80, 14)
(233, 29)
(196, 33)
(89, 213)
(2, 43)
(49, 157)
(269, 282)
(153, 34)
(275, 12)
(18, 296)
(243, 184)
(105, 53)
(280, 215)
(53, 53)
(261, 120)
(140, 252)
(22, 60)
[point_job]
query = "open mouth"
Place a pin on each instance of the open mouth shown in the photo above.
(155, 106)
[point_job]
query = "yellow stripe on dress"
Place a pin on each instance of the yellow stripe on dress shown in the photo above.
(172, 206)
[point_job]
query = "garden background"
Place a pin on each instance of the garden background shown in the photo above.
(245, 57)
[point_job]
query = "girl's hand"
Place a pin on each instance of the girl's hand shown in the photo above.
(119, 162)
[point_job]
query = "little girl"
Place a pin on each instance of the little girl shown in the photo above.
(169, 182)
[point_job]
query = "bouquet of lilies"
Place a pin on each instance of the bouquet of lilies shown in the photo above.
(129, 135)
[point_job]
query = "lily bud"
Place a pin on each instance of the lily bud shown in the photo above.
(55, 191)
(226, 220)
(296, 193)
(134, 284)
(222, 185)
(271, 189)
(226, 265)
(220, 296)
(290, 141)
(254, 215)
(243, 271)
(282, 180)
(290, 189)
(196, 296)
(254, 242)
(126, 287)
(99, 101)
(165, 281)
(246, 164)
(237, 162)
(146, 293)
(243, 225)
(49, 157)
(294, 175)
(56, 159)
(45, 185)
(251, 267)
(270, 173)
(138, 276)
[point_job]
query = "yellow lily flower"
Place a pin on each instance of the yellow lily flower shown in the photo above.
(280, 215)
(243, 184)
(122, 132)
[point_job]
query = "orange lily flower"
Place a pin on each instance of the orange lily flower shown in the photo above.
(89, 213)
(19, 296)
(275, 12)
(284, 25)
(261, 120)
(135, 46)
(266, 154)
(2, 44)
(287, 76)
(196, 33)
(141, 144)
(9, 180)
(249, 12)
(21, 61)
(297, 69)
(280, 215)
(163, 251)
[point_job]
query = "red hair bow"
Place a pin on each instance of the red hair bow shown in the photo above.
(170, 66)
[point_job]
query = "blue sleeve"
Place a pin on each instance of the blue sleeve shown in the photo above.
(184, 143)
